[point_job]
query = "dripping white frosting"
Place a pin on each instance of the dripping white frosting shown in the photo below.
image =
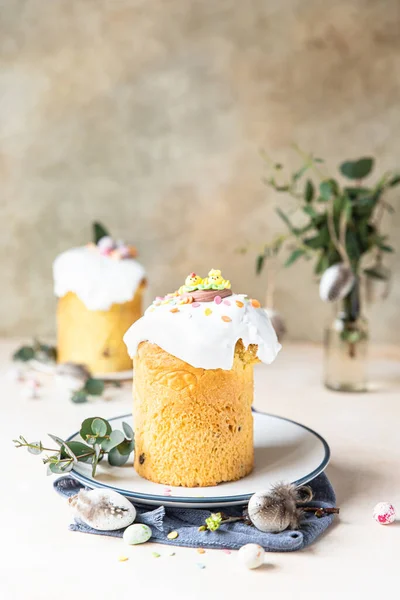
(206, 341)
(99, 281)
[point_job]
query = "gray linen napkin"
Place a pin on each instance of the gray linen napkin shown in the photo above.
(232, 535)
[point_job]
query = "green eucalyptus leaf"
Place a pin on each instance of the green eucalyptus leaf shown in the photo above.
(99, 427)
(353, 246)
(79, 397)
(115, 438)
(66, 449)
(78, 448)
(321, 240)
(310, 211)
(298, 174)
(286, 220)
(94, 387)
(24, 354)
(36, 448)
(328, 189)
(295, 255)
(357, 169)
(99, 231)
(322, 264)
(91, 439)
(309, 191)
(395, 180)
(86, 427)
(126, 447)
(60, 468)
(129, 434)
(260, 263)
(116, 459)
(385, 248)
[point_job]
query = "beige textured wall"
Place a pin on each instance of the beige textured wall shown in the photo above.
(149, 114)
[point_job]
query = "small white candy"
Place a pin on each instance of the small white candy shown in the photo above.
(251, 556)
(137, 534)
(384, 513)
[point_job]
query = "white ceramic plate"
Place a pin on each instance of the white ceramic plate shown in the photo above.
(115, 376)
(284, 451)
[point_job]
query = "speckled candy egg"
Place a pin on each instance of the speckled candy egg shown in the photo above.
(384, 513)
(251, 556)
(103, 509)
(137, 534)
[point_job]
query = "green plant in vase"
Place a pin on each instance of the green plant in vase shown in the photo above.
(339, 226)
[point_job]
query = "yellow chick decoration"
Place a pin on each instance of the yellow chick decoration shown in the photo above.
(215, 281)
(192, 282)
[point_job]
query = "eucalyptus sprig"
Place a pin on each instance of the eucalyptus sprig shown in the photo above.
(44, 353)
(339, 223)
(99, 439)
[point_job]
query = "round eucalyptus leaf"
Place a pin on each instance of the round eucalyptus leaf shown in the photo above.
(37, 448)
(86, 427)
(24, 354)
(60, 468)
(128, 431)
(126, 447)
(116, 459)
(357, 169)
(99, 427)
(94, 387)
(115, 438)
(79, 397)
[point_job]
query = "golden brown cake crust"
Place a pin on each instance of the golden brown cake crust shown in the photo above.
(193, 427)
(94, 337)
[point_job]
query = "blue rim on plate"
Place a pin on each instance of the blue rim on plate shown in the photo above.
(206, 500)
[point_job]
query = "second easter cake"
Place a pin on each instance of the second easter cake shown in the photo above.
(194, 352)
(100, 288)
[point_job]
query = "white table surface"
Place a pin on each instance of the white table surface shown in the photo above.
(356, 558)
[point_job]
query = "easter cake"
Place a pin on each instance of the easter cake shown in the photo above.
(194, 351)
(100, 288)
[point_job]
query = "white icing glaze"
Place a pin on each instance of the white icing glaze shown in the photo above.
(203, 341)
(99, 281)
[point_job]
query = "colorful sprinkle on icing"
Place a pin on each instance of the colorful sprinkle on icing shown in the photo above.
(208, 312)
(255, 303)
(172, 535)
(201, 550)
(196, 304)
(227, 302)
(122, 558)
(226, 318)
(239, 304)
(174, 310)
(217, 299)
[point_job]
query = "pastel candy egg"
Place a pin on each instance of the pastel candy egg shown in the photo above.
(137, 534)
(105, 243)
(384, 513)
(251, 556)
(124, 251)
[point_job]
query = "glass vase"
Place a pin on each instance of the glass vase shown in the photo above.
(346, 347)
